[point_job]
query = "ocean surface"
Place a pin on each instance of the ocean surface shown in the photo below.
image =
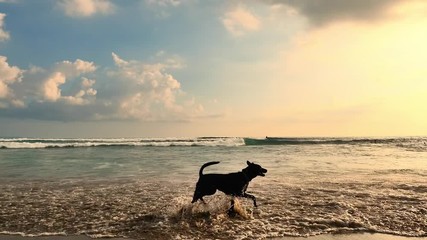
(142, 188)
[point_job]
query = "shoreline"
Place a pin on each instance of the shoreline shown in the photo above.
(344, 236)
(54, 237)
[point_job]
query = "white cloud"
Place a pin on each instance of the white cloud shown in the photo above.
(151, 93)
(18, 88)
(79, 91)
(73, 69)
(87, 83)
(3, 34)
(68, 70)
(239, 21)
(86, 8)
(51, 91)
(118, 61)
(8, 76)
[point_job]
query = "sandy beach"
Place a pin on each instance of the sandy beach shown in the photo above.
(358, 236)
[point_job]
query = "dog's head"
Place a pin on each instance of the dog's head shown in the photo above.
(255, 169)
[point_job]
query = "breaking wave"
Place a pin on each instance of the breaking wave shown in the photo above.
(408, 143)
(120, 142)
(411, 143)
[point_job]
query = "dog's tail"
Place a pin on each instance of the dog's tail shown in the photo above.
(206, 165)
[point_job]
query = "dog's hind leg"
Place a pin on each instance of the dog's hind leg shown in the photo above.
(195, 200)
(231, 212)
(247, 195)
(197, 196)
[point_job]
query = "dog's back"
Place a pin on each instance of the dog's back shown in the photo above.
(231, 183)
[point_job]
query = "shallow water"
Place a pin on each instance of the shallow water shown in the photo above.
(144, 192)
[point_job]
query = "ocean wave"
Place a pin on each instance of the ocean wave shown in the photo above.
(16, 143)
(416, 144)
(404, 142)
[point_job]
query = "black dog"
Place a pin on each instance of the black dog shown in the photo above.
(234, 184)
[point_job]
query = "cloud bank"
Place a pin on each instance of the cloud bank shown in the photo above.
(81, 91)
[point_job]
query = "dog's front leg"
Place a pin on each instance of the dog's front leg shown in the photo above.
(247, 195)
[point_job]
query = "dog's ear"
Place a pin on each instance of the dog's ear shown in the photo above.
(249, 163)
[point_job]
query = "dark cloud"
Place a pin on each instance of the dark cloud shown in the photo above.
(321, 12)
(52, 112)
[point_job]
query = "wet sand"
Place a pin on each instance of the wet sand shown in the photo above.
(358, 236)
(81, 237)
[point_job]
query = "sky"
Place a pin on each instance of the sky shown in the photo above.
(185, 68)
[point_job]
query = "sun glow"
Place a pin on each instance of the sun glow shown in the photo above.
(371, 76)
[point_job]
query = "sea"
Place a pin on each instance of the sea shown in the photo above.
(141, 188)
